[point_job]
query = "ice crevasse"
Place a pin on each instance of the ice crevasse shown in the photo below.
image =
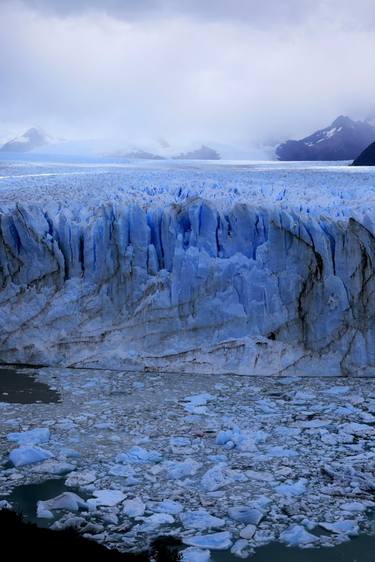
(187, 287)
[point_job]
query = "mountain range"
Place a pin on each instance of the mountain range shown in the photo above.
(344, 139)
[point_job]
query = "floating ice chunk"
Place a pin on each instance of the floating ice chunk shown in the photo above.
(345, 527)
(248, 532)
(192, 554)
(42, 512)
(53, 467)
(353, 506)
(107, 497)
(288, 431)
(304, 395)
(246, 514)
(139, 455)
(157, 520)
(223, 437)
(201, 520)
(28, 455)
(360, 429)
(67, 501)
(241, 548)
(281, 452)
(134, 507)
(337, 390)
(80, 478)
(197, 402)
(168, 506)
(243, 440)
(69, 453)
(215, 478)
(122, 470)
(214, 541)
(311, 424)
(297, 536)
(179, 441)
(294, 489)
(217, 458)
(261, 476)
(200, 399)
(4, 504)
(177, 470)
(31, 437)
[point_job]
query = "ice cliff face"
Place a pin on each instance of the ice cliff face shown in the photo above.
(188, 287)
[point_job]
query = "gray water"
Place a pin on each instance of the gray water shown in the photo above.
(21, 387)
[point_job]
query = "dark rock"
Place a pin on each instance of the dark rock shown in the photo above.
(367, 157)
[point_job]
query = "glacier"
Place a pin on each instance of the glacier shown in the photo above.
(191, 284)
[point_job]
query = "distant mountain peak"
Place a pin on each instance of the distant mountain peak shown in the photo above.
(344, 139)
(343, 121)
(34, 137)
(202, 153)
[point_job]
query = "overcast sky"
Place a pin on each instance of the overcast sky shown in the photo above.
(190, 71)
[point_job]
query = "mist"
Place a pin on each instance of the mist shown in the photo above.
(235, 74)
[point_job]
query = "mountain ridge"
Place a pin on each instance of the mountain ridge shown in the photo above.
(344, 139)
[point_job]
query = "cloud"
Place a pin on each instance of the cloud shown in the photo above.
(204, 71)
(253, 12)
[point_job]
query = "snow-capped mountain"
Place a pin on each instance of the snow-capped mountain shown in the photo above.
(345, 139)
(31, 139)
(367, 157)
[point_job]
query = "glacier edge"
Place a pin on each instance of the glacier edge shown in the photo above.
(188, 287)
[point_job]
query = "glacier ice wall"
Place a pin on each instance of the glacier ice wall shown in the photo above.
(188, 287)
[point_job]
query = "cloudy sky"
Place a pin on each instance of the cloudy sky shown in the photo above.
(238, 72)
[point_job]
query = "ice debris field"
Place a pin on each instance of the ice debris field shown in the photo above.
(221, 462)
(251, 269)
